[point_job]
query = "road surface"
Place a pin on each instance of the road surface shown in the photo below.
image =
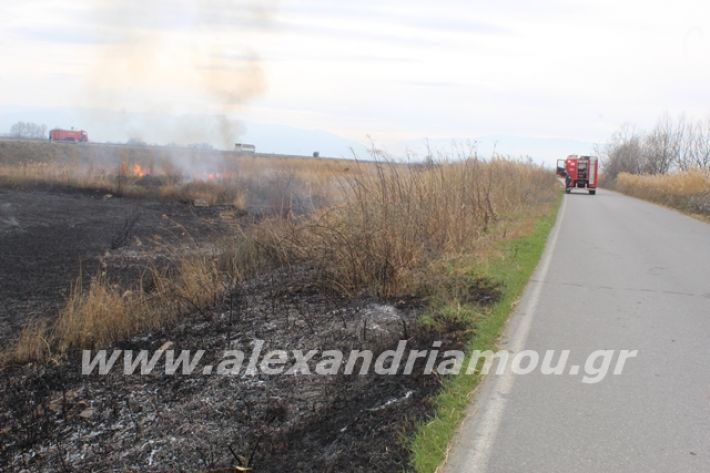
(617, 273)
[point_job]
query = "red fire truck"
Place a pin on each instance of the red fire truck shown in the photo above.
(579, 171)
(71, 136)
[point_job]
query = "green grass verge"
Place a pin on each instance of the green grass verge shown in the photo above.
(512, 267)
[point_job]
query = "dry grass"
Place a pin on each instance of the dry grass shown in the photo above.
(194, 284)
(101, 313)
(34, 343)
(384, 229)
(688, 191)
(55, 173)
(397, 221)
(96, 316)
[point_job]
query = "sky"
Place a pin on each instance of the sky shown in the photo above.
(386, 72)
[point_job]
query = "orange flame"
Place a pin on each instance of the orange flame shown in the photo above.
(213, 176)
(138, 171)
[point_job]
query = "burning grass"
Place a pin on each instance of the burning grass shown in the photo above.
(132, 180)
(262, 182)
(261, 185)
(389, 232)
(688, 191)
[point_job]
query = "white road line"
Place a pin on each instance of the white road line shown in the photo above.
(492, 412)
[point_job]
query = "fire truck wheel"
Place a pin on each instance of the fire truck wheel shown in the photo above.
(592, 192)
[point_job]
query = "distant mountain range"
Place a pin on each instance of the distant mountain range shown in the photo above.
(117, 126)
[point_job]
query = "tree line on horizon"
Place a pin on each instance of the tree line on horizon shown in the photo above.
(28, 130)
(673, 144)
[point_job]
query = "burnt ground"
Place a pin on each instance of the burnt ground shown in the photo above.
(55, 418)
(50, 235)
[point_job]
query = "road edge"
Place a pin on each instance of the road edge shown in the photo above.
(433, 440)
(474, 440)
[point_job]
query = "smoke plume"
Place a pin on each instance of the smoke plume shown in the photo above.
(174, 62)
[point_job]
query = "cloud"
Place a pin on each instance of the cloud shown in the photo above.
(456, 24)
(433, 84)
(62, 35)
(413, 68)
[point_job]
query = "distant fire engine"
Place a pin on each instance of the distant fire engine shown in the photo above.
(70, 136)
(579, 171)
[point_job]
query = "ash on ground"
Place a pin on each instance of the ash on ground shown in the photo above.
(55, 419)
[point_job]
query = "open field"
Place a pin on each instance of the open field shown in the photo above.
(213, 251)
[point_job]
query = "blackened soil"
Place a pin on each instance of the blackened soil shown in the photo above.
(55, 419)
(50, 235)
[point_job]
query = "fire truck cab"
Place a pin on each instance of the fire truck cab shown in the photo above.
(579, 171)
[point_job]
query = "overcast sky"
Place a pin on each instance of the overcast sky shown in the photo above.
(393, 70)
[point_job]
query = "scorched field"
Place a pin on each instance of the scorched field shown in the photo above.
(158, 248)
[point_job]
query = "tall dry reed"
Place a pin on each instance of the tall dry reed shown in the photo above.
(396, 220)
(687, 191)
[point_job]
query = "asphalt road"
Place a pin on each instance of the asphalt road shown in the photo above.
(617, 273)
